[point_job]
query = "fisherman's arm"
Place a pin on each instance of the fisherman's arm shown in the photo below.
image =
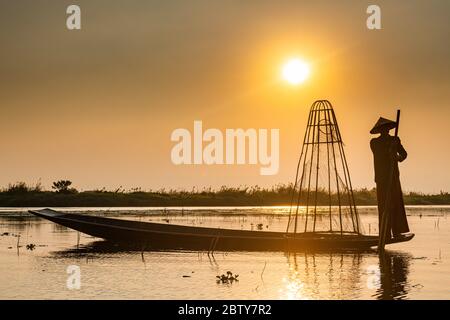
(402, 154)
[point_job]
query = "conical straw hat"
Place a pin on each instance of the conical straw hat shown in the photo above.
(383, 123)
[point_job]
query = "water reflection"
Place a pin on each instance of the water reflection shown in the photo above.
(305, 275)
(99, 247)
(332, 275)
(394, 270)
(310, 275)
(346, 275)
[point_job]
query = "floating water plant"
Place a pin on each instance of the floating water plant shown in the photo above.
(228, 278)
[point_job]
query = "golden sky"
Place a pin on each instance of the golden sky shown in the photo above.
(97, 106)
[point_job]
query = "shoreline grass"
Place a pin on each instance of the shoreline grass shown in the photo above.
(22, 195)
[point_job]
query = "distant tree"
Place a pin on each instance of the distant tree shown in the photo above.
(63, 186)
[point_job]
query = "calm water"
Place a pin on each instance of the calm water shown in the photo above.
(419, 269)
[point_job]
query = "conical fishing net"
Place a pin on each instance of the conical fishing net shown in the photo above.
(322, 200)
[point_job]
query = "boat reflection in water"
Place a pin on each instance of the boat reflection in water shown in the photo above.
(308, 275)
(346, 275)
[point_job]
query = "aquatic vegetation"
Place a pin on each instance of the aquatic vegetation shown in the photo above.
(228, 278)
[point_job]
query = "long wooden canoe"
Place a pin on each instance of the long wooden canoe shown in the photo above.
(169, 236)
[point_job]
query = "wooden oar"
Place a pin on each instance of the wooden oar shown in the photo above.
(386, 216)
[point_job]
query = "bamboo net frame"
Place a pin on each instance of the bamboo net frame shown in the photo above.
(322, 198)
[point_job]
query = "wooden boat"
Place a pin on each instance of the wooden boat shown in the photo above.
(322, 143)
(166, 236)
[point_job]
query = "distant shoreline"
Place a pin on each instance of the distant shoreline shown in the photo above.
(277, 196)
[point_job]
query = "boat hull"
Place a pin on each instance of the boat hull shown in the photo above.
(166, 236)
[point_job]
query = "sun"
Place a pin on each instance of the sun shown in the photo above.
(295, 71)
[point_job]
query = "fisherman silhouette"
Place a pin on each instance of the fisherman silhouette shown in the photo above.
(387, 152)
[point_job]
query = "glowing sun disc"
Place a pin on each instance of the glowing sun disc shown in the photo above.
(295, 71)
